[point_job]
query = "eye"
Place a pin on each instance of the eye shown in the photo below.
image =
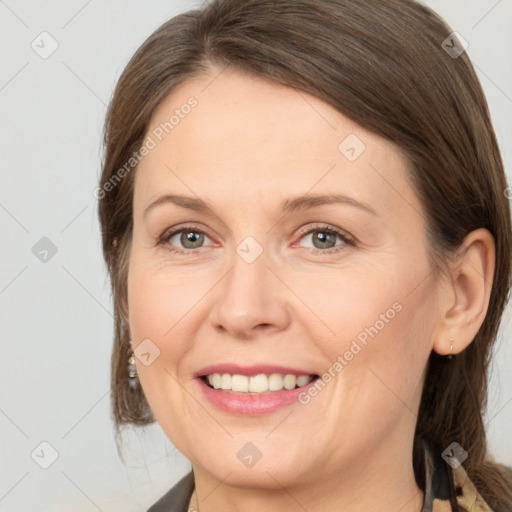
(189, 238)
(324, 239)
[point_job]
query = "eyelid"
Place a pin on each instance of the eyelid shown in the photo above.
(306, 230)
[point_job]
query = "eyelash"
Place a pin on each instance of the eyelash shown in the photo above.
(345, 238)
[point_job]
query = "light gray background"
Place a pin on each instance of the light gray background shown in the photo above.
(56, 324)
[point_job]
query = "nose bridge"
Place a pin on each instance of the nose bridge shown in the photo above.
(249, 296)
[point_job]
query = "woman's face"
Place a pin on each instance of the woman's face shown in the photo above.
(294, 245)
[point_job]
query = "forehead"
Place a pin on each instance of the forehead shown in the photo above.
(234, 111)
(228, 131)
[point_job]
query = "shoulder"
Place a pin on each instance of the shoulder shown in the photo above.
(177, 498)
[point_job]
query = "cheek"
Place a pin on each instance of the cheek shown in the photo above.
(153, 319)
(167, 308)
(160, 301)
(377, 332)
(384, 353)
(157, 319)
(352, 303)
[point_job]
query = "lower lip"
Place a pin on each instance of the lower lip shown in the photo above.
(252, 404)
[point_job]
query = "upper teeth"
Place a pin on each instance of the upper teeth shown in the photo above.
(257, 383)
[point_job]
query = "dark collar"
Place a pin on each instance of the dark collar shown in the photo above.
(178, 498)
(434, 477)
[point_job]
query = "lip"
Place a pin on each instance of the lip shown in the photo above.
(255, 404)
(250, 371)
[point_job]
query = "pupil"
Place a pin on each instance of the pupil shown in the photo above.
(192, 237)
(323, 237)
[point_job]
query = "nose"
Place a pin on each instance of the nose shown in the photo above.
(250, 300)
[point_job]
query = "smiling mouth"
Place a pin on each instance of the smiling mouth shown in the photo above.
(261, 383)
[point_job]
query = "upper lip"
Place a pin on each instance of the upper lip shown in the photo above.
(250, 370)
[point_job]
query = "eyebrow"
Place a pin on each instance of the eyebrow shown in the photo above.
(290, 205)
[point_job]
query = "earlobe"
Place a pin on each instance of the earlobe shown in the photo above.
(471, 283)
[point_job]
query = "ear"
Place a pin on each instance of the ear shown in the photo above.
(464, 298)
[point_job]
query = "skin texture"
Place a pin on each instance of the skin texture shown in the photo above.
(248, 146)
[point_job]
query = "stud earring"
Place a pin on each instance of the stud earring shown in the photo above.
(450, 355)
(133, 379)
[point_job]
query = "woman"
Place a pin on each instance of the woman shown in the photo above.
(303, 216)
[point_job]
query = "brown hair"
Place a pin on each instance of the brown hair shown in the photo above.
(382, 64)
